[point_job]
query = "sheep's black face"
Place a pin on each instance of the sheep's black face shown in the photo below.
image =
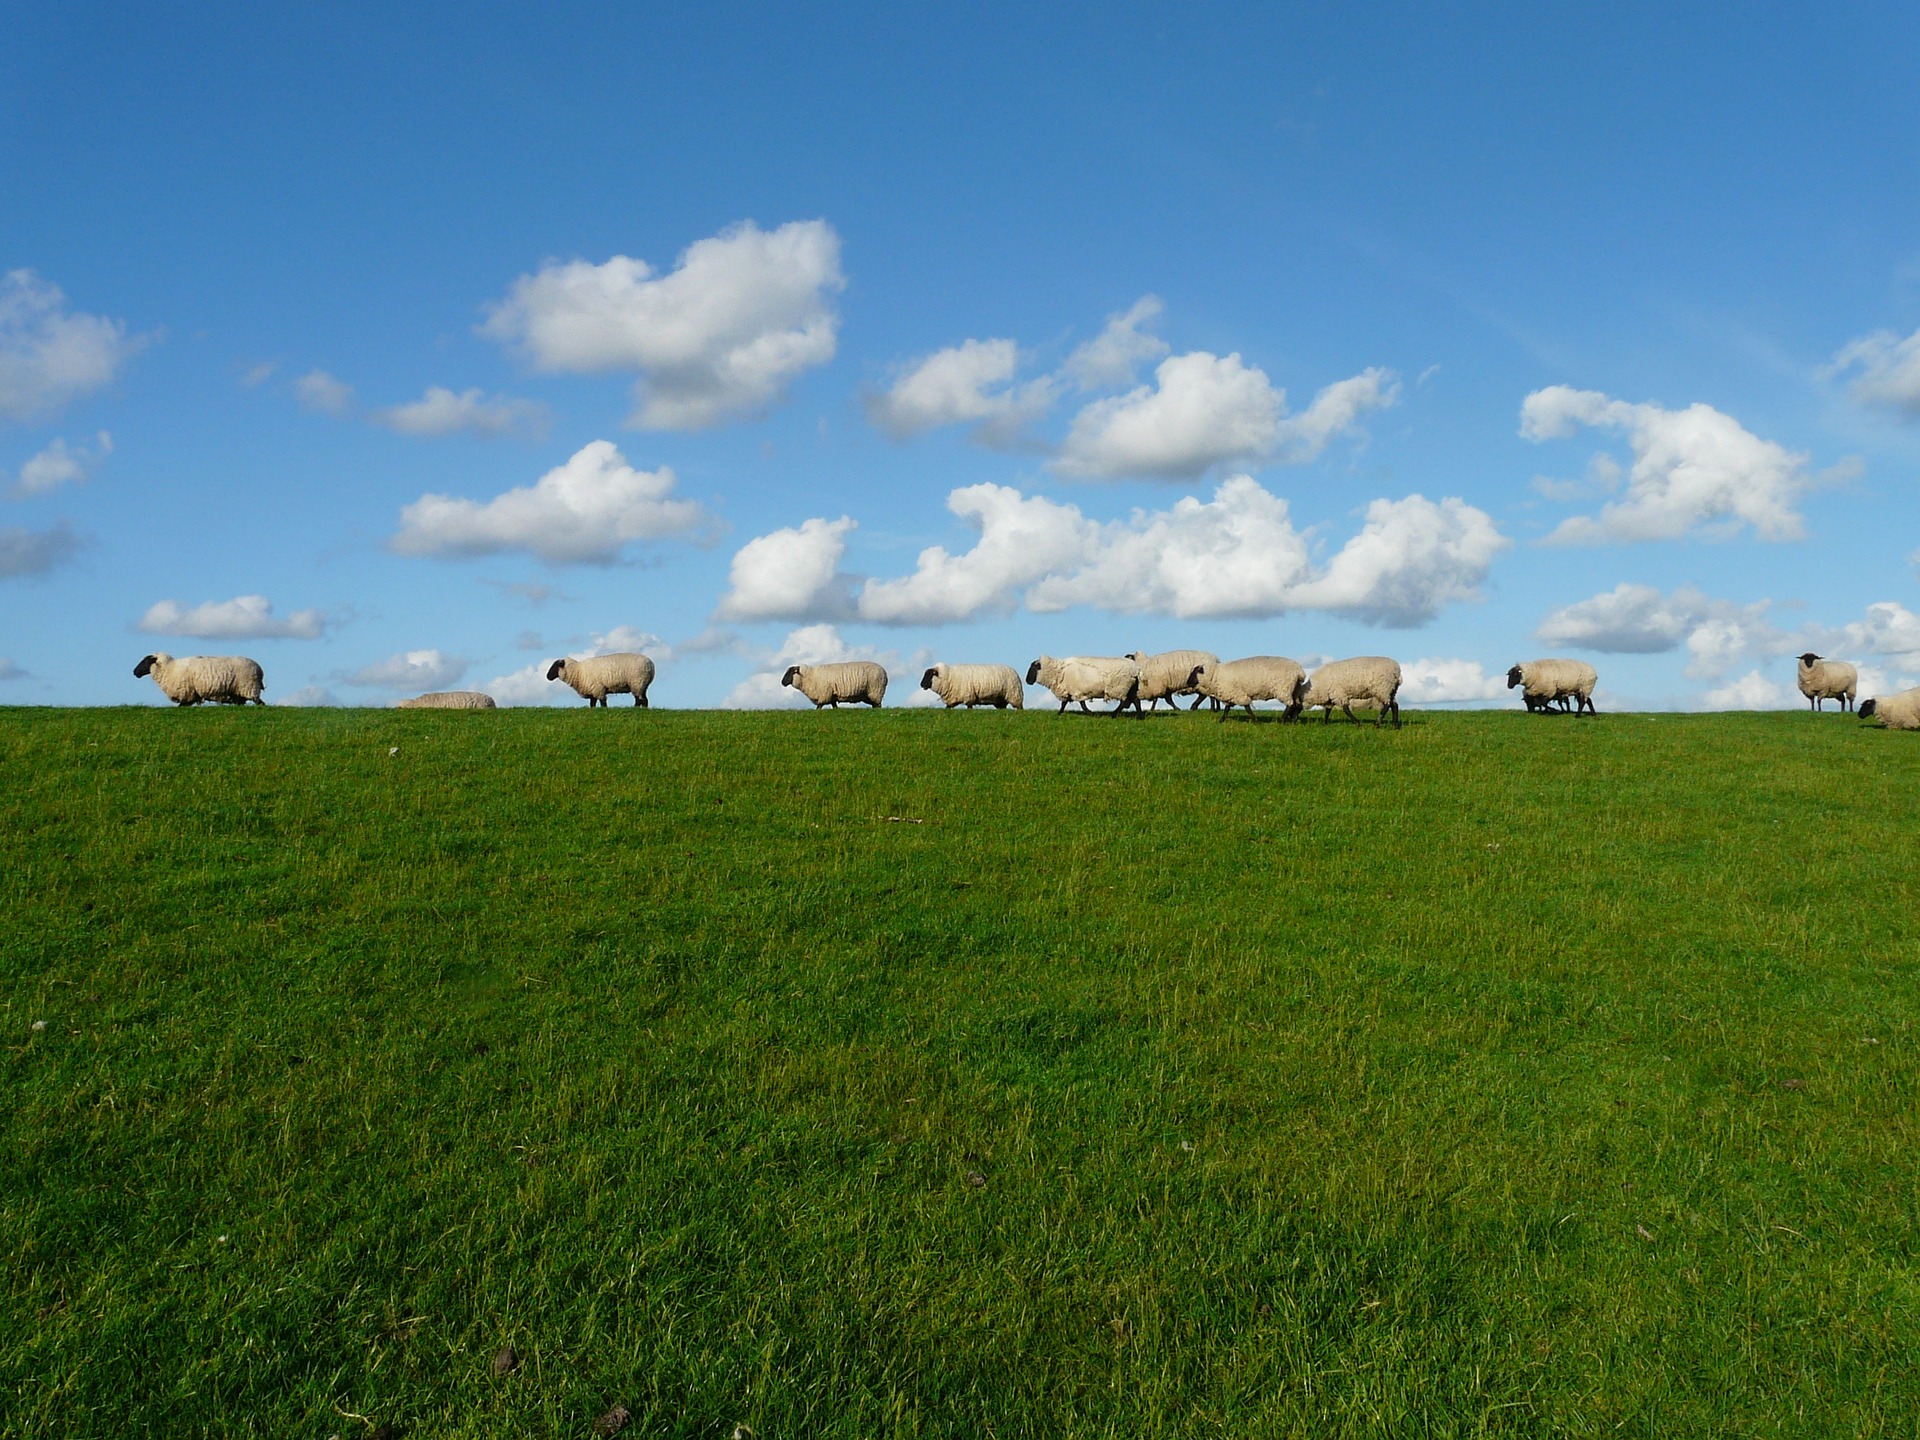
(1033, 673)
(145, 667)
(1134, 655)
(1808, 658)
(1513, 677)
(926, 681)
(1867, 707)
(1193, 675)
(793, 673)
(553, 670)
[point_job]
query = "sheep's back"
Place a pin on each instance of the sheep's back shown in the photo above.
(449, 700)
(1364, 677)
(1257, 677)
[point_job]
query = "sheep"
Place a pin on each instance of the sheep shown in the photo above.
(194, 679)
(849, 680)
(1364, 679)
(1089, 677)
(1259, 677)
(599, 676)
(1828, 680)
(1896, 712)
(971, 685)
(1170, 673)
(448, 700)
(1547, 681)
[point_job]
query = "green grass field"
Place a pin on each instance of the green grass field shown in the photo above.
(915, 1074)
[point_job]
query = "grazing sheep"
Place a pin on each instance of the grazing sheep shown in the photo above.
(971, 685)
(1896, 712)
(851, 680)
(1258, 677)
(196, 679)
(1547, 681)
(448, 700)
(599, 676)
(1828, 680)
(1089, 677)
(1169, 674)
(1365, 679)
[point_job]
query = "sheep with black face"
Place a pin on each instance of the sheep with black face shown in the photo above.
(1547, 682)
(599, 676)
(1896, 712)
(1827, 680)
(858, 682)
(199, 679)
(1080, 678)
(971, 685)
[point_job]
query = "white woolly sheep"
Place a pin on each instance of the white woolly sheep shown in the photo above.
(1258, 677)
(198, 679)
(1828, 680)
(1896, 712)
(448, 700)
(1547, 681)
(854, 681)
(599, 676)
(1169, 674)
(1363, 680)
(971, 685)
(1089, 677)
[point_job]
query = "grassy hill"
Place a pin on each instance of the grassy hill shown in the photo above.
(955, 1075)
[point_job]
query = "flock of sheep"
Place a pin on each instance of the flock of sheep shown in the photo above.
(1134, 679)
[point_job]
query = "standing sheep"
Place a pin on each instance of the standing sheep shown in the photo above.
(195, 679)
(1365, 679)
(1258, 677)
(854, 681)
(971, 685)
(1896, 712)
(599, 676)
(1170, 674)
(449, 700)
(1828, 680)
(1089, 677)
(1546, 681)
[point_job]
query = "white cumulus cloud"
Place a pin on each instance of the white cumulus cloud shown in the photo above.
(1237, 554)
(245, 617)
(1436, 682)
(50, 355)
(1208, 410)
(61, 464)
(1641, 620)
(721, 336)
(791, 574)
(35, 552)
(1752, 691)
(323, 393)
(1694, 470)
(409, 670)
(583, 512)
(1114, 356)
(970, 383)
(441, 412)
(1889, 371)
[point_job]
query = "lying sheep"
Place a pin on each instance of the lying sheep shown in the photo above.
(1547, 681)
(1258, 677)
(1896, 712)
(971, 685)
(448, 700)
(1089, 677)
(599, 676)
(198, 679)
(1170, 673)
(1828, 680)
(1364, 680)
(851, 680)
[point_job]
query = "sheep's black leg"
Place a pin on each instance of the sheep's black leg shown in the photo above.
(1063, 707)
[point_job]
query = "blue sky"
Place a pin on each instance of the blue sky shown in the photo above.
(1460, 338)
